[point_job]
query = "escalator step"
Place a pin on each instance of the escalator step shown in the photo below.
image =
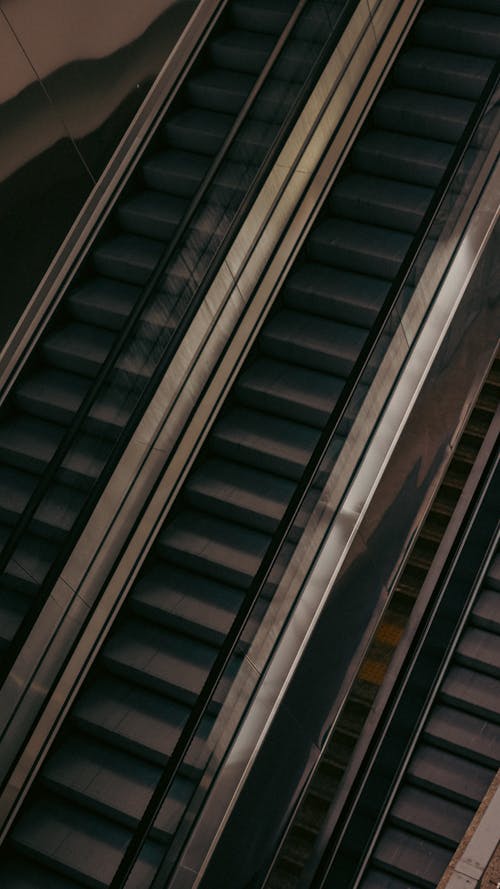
(286, 390)
(476, 692)
(471, 5)
(462, 733)
(186, 601)
(197, 130)
(228, 553)
(379, 201)
(243, 51)
(422, 114)
(56, 395)
(270, 443)
(468, 32)
(271, 16)
(493, 576)
(316, 343)
(215, 91)
(128, 258)
(137, 719)
(458, 778)
(376, 879)
(241, 494)
(409, 158)
(295, 62)
(410, 857)
(486, 611)
(112, 782)
(83, 348)
(262, 16)
(180, 173)
(175, 172)
(29, 443)
(22, 874)
(103, 302)
(55, 515)
(428, 815)
(75, 841)
(13, 608)
(368, 249)
(481, 650)
(159, 659)
(344, 296)
(30, 563)
(450, 73)
(77, 347)
(152, 214)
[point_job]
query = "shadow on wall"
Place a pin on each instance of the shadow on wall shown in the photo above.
(73, 78)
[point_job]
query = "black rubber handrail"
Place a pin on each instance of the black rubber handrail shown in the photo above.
(288, 520)
(123, 339)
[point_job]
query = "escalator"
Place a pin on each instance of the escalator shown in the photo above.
(66, 417)
(454, 761)
(439, 751)
(306, 838)
(82, 810)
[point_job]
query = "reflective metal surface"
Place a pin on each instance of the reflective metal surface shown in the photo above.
(73, 75)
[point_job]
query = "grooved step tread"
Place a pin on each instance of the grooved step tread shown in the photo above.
(464, 31)
(31, 561)
(486, 611)
(57, 395)
(411, 857)
(137, 719)
(241, 50)
(245, 495)
(128, 257)
(421, 114)
(159, 658)
(428, 815)
(285, 390)
(473, 691)
(316, 343)
(13, 608)
(176, 172)
(272, 443)
(77, 842)
(56, 513)
(463, 733)
(359, 247)
(444, 772)
(112, 782)
(84, 348)
(377, 879)
(480, 649)
(152, 214)
(103, 302)
(29, 443)
(20, 873)
(227, 552)
(375, 200)
(186, 601)
(343, 296)
(409, 158)
(455, 74)
(214, 90)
